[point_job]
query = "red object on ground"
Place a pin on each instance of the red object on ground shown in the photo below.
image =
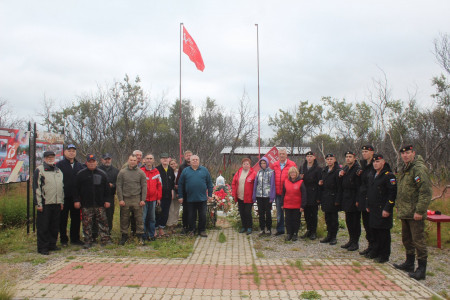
(438, 219)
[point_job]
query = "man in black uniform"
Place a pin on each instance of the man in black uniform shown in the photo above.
(348, 196)
(311, 173)
(70, 167)
(381, 194)
(366, 169)
(168, 183)
(111, 173)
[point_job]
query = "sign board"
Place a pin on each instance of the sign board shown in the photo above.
(47, 141)
(14, 155)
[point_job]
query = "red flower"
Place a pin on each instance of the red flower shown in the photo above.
(221, 194)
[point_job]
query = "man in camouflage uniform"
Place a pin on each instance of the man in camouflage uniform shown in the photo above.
(92, 196)
(413, 197)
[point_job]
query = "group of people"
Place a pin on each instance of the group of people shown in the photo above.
(366, 190)
(149, 197)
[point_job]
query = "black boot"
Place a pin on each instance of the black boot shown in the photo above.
(288, 237)
(333, 241)
(408, 265)
(348, 244)
(366, 251)
(295, 237)
(421, 270)
(123, 240)
(312, 236)
(353, 247)
(326, 240)
(306, 235)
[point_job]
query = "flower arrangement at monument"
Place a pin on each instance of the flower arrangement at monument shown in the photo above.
(222, 197)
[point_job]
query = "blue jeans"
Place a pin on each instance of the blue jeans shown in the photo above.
(149, 218)
(280, 214)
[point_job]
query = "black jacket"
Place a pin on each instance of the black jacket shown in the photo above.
(348, 189)
(111, 174)
(180, 170)
(381, 194)
(329, 190)
(366, 169)
(311, 179)
(69, 177)
(167, 180)
(91, 188)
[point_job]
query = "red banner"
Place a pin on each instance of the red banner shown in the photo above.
(47, 141)
(191, 50)
(272, 156)
(14, 155)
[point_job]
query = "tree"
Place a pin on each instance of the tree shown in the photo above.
(7, 118)
(291, 126)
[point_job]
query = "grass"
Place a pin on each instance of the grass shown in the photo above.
(298, 264)
(310, 295)
(259, 254)
(256, 278)
(222, 237)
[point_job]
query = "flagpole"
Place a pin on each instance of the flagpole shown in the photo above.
(259, 122)
(181, 45)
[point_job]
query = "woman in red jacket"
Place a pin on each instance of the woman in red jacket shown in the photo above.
(294, 201)
(242, 188)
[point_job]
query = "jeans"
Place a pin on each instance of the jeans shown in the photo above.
(148, 217)
(161, 220)
(265, 213)
(194, 209)
(280, 214)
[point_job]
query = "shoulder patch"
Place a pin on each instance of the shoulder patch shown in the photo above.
(387, 172)
(417, 179)
(392, 180)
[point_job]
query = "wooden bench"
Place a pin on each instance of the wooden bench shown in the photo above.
(438, 219)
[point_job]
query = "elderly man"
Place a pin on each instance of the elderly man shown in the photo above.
(281, 169)
(186, 163)
(195, 188)
(131, 192)
(69, 166)
(91, 195)
(413, 197)
(49, 200)
(138, 154)
(111, 174)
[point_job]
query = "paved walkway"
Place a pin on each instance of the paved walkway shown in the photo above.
(216, 270)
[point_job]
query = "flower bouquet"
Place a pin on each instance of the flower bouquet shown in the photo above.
(222, 197)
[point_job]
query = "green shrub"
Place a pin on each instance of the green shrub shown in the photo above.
(13, 207)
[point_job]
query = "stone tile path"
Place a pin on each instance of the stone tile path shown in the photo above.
(229, 270)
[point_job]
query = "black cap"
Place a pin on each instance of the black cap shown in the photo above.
(309, 153)
(329, 155)
(106, 155)
(71, 146)
(49, 153)
(377, 156)
(406, 148)
(91, 157)
(164, 155)
(350, 152)
(367, 147)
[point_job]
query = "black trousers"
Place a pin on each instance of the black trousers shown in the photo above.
(292, 220)
(185, 215)
(75, 222)
(311, 212)
(47, 225)
(161, 219)
(197, 209)
(382, 244)
(353, 221)
(332, 221)
(369, 234)
(110, 215)
(245, 211)
(264, 212)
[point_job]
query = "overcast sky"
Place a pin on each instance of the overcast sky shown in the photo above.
(308, 49)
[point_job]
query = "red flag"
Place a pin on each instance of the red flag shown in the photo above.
(191, 50)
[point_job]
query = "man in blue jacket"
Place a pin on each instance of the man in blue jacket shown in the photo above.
(195, 187)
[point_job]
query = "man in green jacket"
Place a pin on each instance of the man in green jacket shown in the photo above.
(413, 197)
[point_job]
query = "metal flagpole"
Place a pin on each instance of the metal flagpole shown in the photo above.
(259, 121)
(181, 45)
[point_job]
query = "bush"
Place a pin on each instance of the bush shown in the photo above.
(13, 206)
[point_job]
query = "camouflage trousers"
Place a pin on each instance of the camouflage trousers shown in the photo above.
(88, 214)
(413, 238)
